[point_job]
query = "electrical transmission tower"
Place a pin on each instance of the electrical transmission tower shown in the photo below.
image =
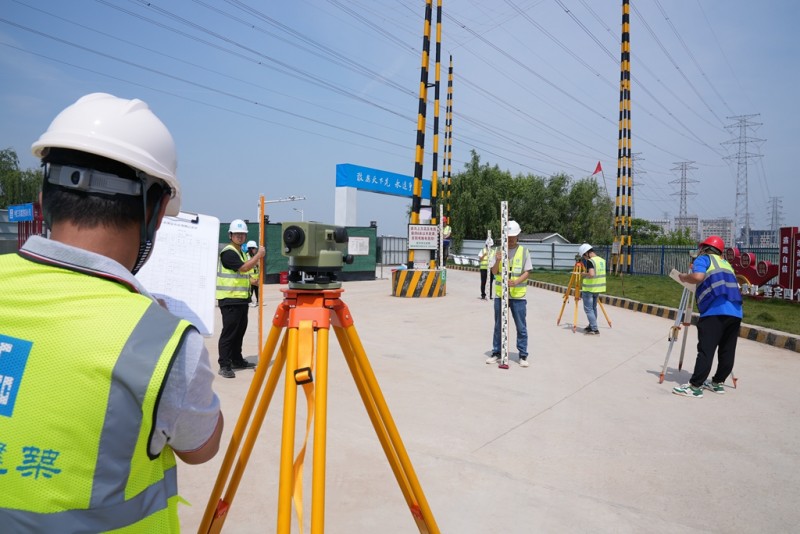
(775, 219)
(682, 221)
(742, 213)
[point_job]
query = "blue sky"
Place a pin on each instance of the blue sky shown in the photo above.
(265, 98)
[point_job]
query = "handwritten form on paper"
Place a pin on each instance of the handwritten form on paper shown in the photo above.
(182, 270)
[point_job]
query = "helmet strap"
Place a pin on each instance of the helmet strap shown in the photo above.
(148, 232)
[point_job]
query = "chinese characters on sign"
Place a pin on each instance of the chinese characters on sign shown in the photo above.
(423, 236)
(756, 275)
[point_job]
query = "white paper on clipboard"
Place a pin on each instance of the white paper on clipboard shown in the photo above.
(182, 270)
(675, 275)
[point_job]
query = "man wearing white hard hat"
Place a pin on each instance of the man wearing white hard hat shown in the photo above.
(592, 286)
(234, 272)
(102, 386)
(519, 267)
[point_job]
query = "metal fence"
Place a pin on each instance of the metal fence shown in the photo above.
(645, 259)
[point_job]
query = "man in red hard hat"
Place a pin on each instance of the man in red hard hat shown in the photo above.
(720, 303)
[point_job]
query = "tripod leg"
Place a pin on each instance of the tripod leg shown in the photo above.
(566, 298)
(372, 412)
(600, 302)
(285, 486)
(419, 505)
(673, 333)
(575, 318)
(216, 509)
(320, 438)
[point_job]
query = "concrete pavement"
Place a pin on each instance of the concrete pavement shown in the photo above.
(583, 440)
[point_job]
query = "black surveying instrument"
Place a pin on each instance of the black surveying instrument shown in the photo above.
(311, 306)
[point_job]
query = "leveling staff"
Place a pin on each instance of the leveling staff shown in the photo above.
(99, 384)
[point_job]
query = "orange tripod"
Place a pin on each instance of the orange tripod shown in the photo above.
(302, 313)
(574, 289)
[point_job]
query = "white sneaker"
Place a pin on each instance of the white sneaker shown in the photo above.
(493, 359)
(523, 362)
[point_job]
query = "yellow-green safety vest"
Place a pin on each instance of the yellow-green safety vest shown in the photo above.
(597, 284)
(78, 404)
(232, 284)
(487, 251)
(515, 271)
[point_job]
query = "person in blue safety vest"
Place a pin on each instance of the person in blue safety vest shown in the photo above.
(100, 386)
(592, 285)
(519, 266)
(234, 273)
(719, 300)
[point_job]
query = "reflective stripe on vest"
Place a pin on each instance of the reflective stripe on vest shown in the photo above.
(232, 284)
(598, 283)
(515, 271)
(97, 413)
(720, 281)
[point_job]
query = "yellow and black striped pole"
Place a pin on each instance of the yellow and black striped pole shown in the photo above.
(448, 140)
(416, 199)
(621, 253)
(435, 162)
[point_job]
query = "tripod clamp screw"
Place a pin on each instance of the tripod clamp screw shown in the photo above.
(303, 376)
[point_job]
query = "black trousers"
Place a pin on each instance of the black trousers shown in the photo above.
(484, 275)
(715, 333)
(234, 325)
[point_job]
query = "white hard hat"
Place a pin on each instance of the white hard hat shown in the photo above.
(583, 249)
(237, 227)
(489, 242)
(513, 228)
(252, 244)
(119, 129)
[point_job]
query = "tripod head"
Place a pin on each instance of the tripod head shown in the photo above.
(316, 254)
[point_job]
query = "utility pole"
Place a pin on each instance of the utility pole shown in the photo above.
(742, 213)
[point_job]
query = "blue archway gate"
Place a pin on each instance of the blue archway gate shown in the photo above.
(353, 178)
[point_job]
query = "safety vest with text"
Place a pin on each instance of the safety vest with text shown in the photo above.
(515, 271)
(232, 284)
(597, 284)
(720, 281)
(78, 405)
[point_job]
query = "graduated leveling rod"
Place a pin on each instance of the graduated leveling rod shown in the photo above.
(504, 281)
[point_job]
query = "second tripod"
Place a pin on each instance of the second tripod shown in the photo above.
(574, 289)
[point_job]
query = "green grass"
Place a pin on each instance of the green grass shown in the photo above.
(663, 291)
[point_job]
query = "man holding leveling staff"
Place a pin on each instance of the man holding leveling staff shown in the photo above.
(519, 265)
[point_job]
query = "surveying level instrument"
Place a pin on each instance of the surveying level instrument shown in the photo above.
(303, 314)
(574, 288)
(682, 318)
(503, 364)
(316, 254)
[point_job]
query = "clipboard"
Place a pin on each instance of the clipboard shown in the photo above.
(182, 269)
(674, 274)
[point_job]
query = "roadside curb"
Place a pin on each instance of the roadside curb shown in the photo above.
(781, 340)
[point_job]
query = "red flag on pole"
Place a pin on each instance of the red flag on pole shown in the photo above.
(597, 169)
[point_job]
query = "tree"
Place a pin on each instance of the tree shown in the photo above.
(16, 186)
(578, 211)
